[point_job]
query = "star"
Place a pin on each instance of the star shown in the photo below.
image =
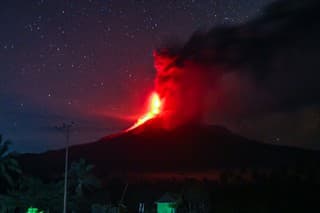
(55, 56)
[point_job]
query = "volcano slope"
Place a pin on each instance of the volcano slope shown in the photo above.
(188, 148)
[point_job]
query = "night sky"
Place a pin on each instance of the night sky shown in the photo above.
(91, 62)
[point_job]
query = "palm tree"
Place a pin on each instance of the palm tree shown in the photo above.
(81, 178)
(8, 165)
(82, 181)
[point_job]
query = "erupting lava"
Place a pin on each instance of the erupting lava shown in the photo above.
(153, 111)
(175, 87)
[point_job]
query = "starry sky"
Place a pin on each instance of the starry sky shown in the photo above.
(90, 61)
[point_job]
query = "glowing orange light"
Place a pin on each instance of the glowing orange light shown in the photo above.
(153, 111)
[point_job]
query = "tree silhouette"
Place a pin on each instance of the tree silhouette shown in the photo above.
(81, 178)
(81, 183)
(33, 192)
(9, 166)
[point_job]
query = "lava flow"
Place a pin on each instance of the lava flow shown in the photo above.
(153, 111)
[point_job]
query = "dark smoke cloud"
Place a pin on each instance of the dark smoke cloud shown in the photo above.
(269, 65)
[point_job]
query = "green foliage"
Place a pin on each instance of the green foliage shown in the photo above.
(81, 183)
(33, 192)
(9, 166)
(81, 179)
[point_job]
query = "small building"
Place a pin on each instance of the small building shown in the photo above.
(167, 204)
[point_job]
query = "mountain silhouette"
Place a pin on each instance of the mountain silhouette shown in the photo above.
(188, 148)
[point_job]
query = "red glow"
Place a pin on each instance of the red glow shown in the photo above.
(154, 109)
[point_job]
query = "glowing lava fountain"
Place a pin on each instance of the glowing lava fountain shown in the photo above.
(154, 109)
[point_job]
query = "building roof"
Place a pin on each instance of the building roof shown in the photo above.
(167, 198)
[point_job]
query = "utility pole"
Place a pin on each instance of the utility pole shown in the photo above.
(66, 128)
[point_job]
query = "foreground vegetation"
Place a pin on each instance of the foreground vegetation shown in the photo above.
(244, 190)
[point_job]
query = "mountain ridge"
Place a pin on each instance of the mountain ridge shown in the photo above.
(188, 148)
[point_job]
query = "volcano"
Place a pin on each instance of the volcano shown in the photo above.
(188, 148)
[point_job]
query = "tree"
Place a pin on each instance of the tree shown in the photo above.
(33, 192)
(82, 182)
(81, 179)
(9, 166)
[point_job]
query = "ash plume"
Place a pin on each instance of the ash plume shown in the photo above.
(227, 73)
